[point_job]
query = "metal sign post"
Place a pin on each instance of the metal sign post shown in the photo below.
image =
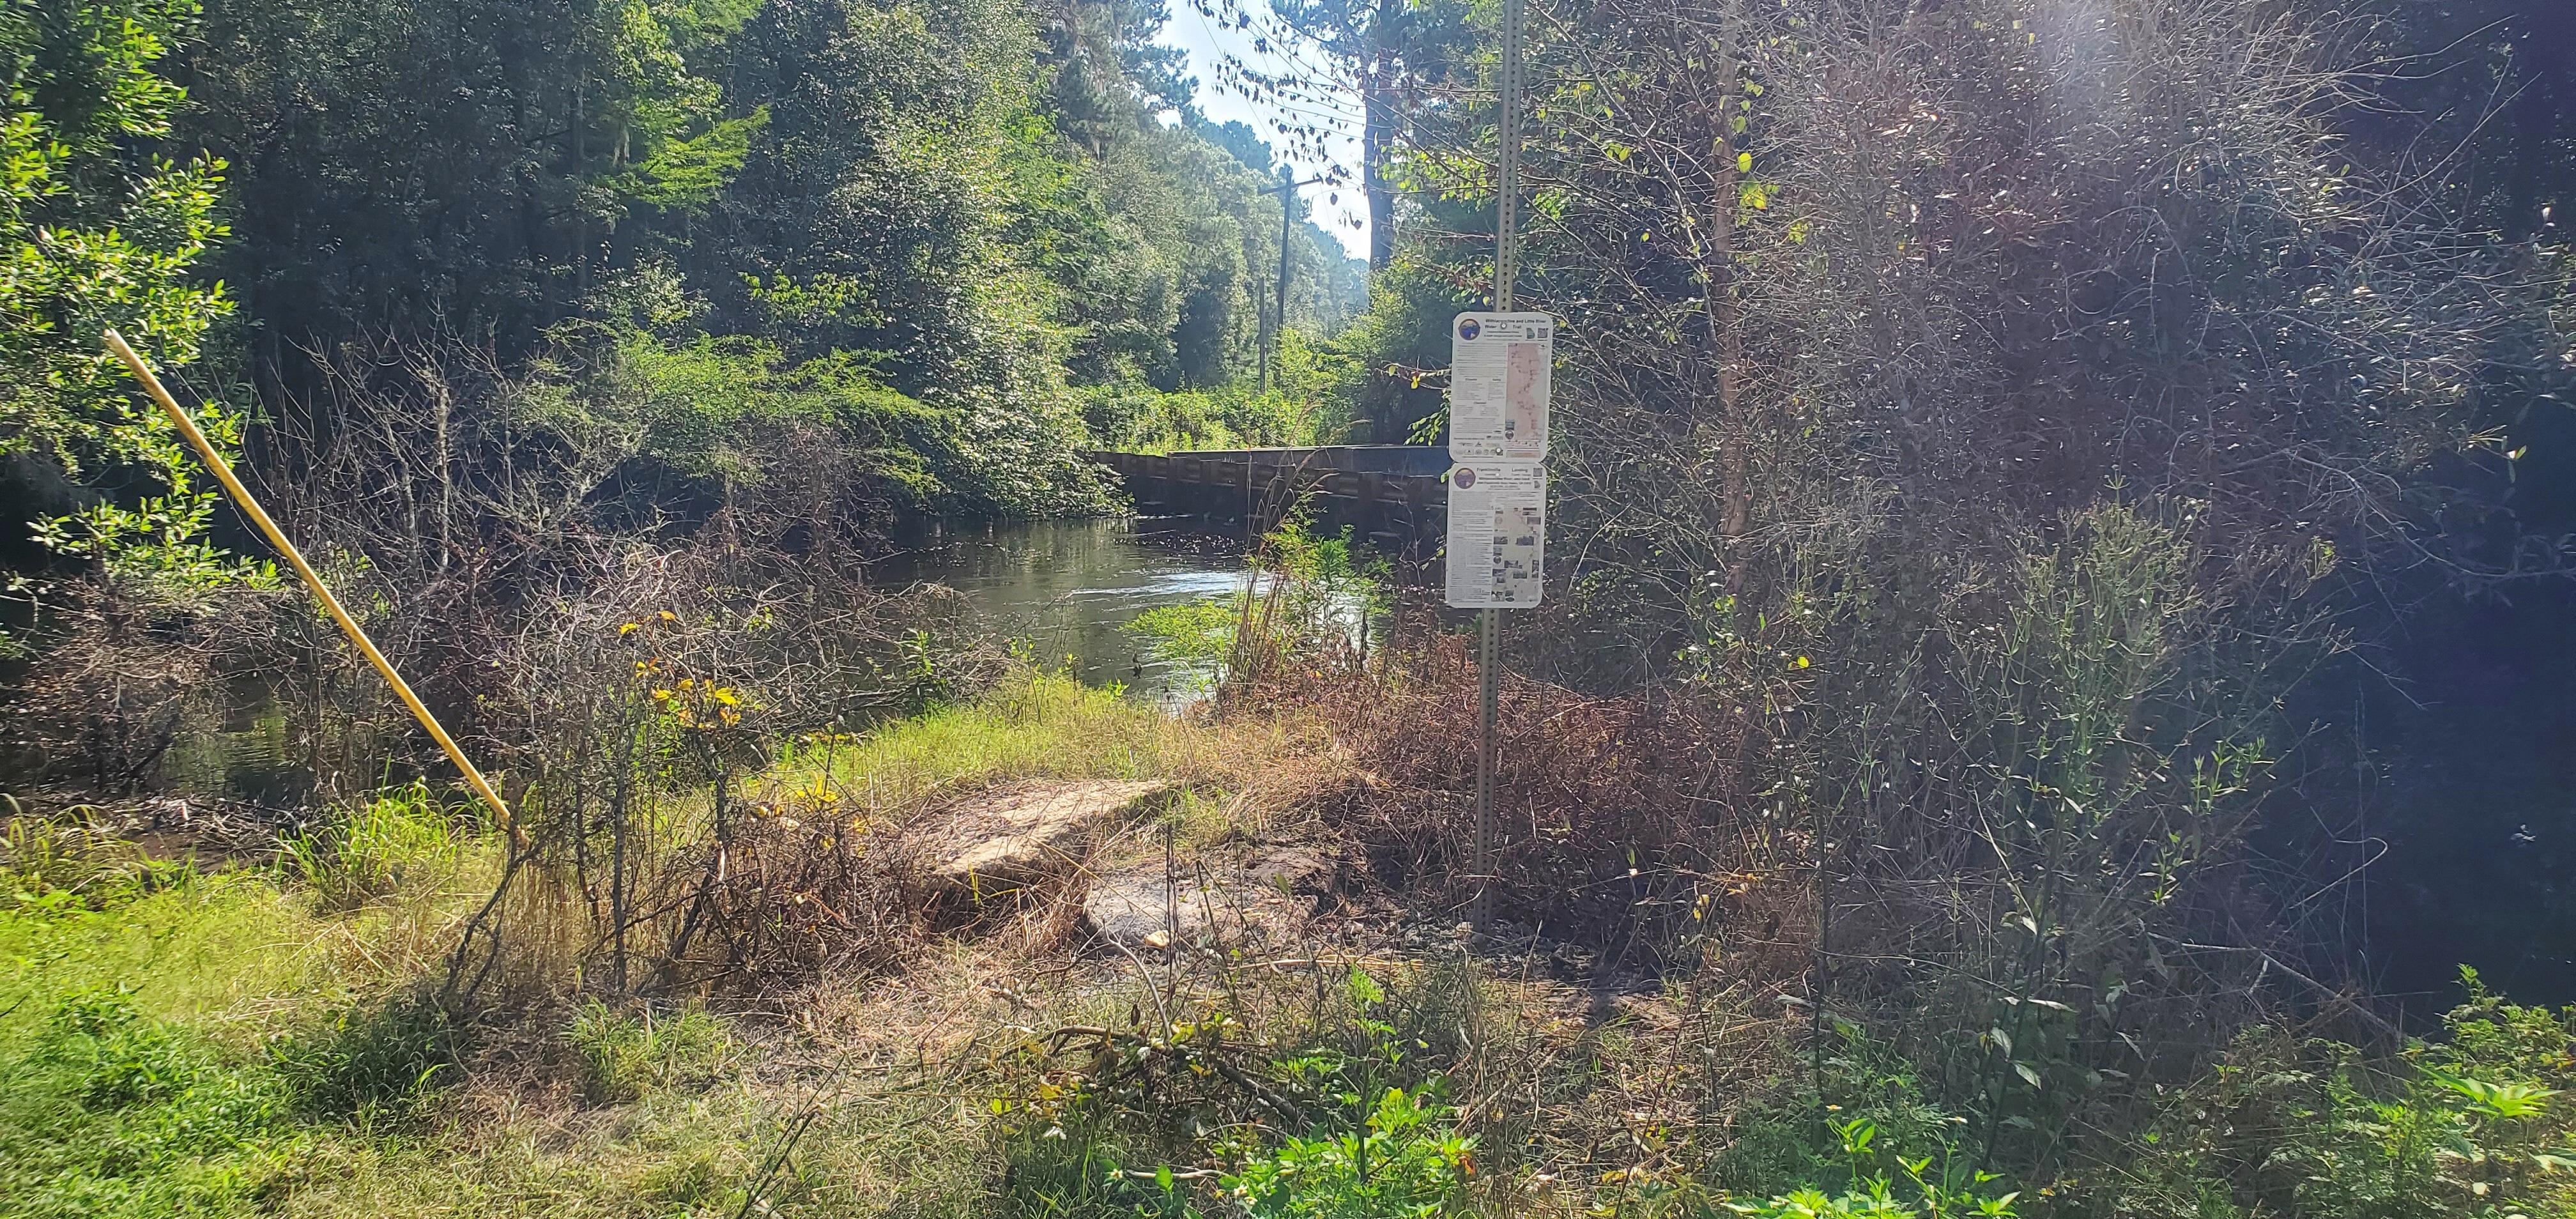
(1478, 574)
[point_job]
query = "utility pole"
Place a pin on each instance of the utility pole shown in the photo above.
(1507, 243)
(1287, 188)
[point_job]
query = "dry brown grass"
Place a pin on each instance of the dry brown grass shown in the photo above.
(1618, 821)
(883, 1052)
(806, 875)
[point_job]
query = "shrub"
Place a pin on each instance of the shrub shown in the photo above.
(1858, 1138)
(1139, 418)
(2477, 1124)
(1405, 1158)
(1197, 633)
(1929, 1186)
(1335, 1112)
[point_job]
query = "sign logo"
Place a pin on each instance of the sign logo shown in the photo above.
(1469, 328)
(1466, 478)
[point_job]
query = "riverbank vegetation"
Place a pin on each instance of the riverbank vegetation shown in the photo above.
(194, 1037)
(2049, 668)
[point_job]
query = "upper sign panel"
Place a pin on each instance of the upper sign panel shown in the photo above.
(1499, 374)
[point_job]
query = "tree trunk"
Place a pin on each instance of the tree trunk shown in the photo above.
(1726, 331)
(1377, 133)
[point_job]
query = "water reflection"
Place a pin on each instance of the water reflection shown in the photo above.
(1067, 587)
(1071, 587)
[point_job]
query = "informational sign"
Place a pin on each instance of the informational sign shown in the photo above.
(1498, 399)
(1498, 385)
(1497, 534)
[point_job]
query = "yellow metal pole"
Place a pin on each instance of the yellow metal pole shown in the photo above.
(295, 558)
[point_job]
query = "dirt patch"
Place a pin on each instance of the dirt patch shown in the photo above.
(1249, 898)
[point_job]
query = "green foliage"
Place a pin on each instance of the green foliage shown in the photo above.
(2098, 728)
(870, 218)
(1295, 550)
(1306, 595)
(1404, 1160)
(1138, 418)
(1198, 633)
(1311, 403)
(1079, 1169)
(1879, 1200)
(542, 154)
(624, 1056)
(63, 863)
(369, 1058)
(1346, 1120)
(2475, 1124)
(1868, 1145)
(738, 411)
(95, 235)
(110, 1113)
(157, 547)
(887, 247)
(1311, 598)
(396, 839)
(658, 123)
(1389, 379)
(1925, 1187)
(685, 174)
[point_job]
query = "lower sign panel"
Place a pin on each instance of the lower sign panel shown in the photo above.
(1497, 534)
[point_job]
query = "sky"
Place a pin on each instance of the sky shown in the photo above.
(1207, 45)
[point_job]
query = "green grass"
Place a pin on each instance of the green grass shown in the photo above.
(256, 1041)
(177, 1042)
(247, 1041)
(624, 1056)
(225, 952)
(397, 840)
(105, 1111)
(234, 1047)
(250, 1041)
(163, 1054)
(1041, 725)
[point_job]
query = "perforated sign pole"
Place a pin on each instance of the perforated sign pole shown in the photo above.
(1488, 643)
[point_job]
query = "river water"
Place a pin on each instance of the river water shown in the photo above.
(1071, 587)
(1067, 588)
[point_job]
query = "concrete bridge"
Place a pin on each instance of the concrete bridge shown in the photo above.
(1391, 495)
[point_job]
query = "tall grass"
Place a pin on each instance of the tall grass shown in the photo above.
(242, 1043)
(180, 1049)
(623, 1056)
(1036, 725)
(222, 951)
(401, 836)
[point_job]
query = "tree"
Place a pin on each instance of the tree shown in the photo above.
(98, 232)
(1989, 414)
(1390, 55)
(468, 165)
